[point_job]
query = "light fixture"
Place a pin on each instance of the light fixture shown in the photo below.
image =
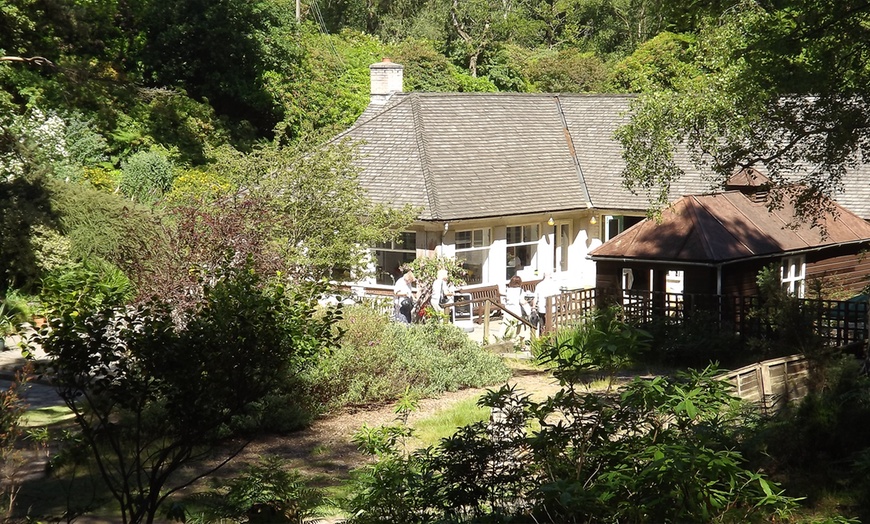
(593, 220)
(446, 226)
(550, 222)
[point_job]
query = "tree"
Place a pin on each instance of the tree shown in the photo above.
(322, 222)
(155, 388)
(783, 89)
(656, 64)
(569, 72)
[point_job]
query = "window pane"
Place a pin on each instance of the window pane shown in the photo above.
(530, 233)
(387, 265)
(521, 257)
(407, 240)
(473, 262)
(514, 235)
(463, 239)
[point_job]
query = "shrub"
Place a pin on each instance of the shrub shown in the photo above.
(661, 452)
(696, 341)
(147, 176)
(379, 359)
(84, 287)
(265, 492)
(604, 342)
(173, 382)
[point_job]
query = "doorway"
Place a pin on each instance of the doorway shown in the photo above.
(561, 246)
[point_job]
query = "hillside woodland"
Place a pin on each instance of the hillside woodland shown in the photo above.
(113, 114)
(167, 203)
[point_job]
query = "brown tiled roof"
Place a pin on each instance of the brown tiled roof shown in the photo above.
(728, 226)
(474, 155)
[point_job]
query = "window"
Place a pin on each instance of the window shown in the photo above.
(472, 251)
(614, 225)
(522, 248)
(389, 257)
(792, 276)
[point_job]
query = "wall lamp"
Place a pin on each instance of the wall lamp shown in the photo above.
(550, 222)
(593, 220)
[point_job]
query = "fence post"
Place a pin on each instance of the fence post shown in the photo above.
(486, 321)
(550, 316)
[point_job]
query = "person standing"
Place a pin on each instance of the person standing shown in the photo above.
(403, 298)
(515, 302)
(440, 291)
(545, 288)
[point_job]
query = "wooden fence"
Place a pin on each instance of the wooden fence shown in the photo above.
(837, 322)
(771, 384)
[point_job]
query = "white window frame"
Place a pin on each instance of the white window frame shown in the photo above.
(792, 275)
(393, 246)
(533, 241)
(478, 243)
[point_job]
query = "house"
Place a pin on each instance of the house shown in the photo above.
(517, 183)
(717, 244)
(507, 183)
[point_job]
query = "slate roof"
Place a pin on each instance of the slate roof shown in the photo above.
(728, 226)
(476, 155)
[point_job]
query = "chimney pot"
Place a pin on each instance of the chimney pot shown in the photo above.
(386, 79)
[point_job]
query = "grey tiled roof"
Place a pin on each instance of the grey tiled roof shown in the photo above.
(474, 155)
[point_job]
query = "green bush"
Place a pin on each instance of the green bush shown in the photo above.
(265, 492)
(827, 430)
(84, 287)
(663, 451)
(379, 359)
(147, 176)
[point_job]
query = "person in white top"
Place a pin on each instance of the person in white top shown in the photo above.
(440, 291)
(545, 288)
(403, 298)
(515, 302)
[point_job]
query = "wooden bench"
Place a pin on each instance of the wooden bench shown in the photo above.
(530, 285)
(481, 292)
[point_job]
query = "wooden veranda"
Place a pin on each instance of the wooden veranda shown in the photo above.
(838, 322)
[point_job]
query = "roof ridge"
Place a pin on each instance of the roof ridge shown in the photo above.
(572, 151)
(387, 108)
(425, 163)
(692, 204)
(758, 229)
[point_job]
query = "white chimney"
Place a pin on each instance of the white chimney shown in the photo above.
(387, 78)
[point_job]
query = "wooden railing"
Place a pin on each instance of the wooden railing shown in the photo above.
(771, 384)
(837, 322)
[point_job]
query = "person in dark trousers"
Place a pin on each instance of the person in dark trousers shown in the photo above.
(403, 298)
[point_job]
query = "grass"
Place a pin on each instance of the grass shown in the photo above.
(42, 417)
(444, 423)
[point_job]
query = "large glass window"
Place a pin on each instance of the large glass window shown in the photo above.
(792, 276)
(472, 251)
(522, 248)
(389, 257)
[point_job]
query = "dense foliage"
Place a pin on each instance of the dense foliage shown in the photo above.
(154, 388)
(662, 450)
(379, 360)
(781, 87)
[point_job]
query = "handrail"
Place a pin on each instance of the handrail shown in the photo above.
(488, 302)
